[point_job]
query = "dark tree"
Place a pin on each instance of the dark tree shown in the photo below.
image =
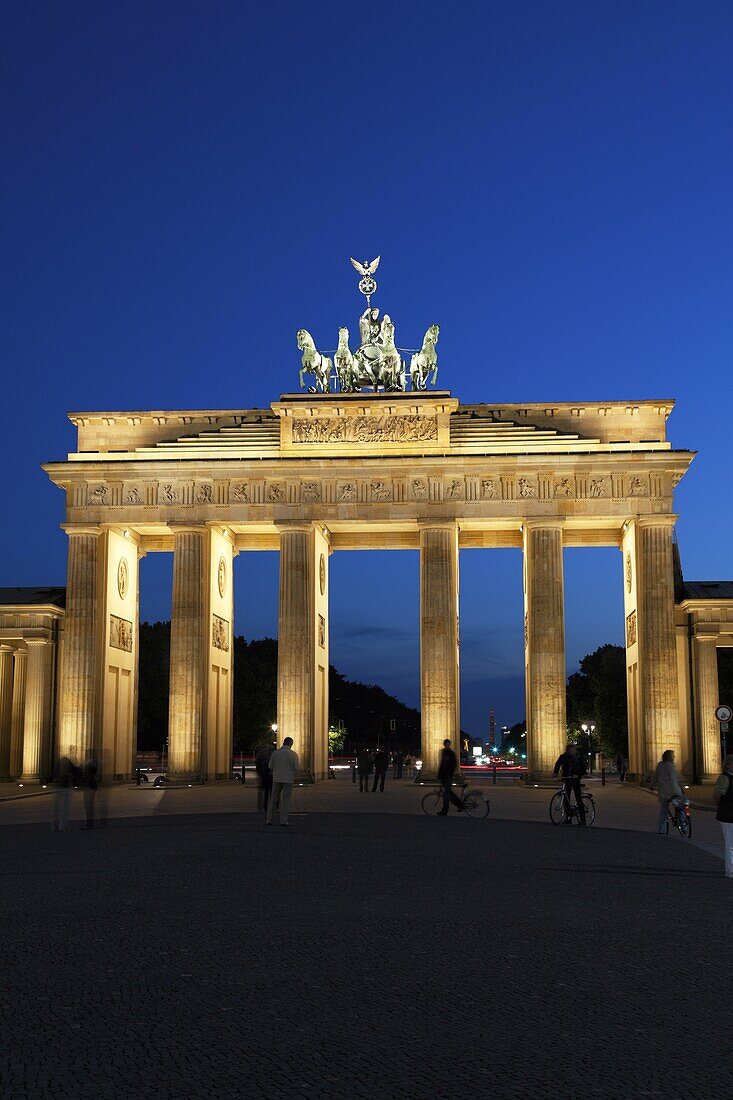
(152, 714)
(596, 695)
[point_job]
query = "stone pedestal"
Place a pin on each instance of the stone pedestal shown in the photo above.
(186, 709)
(544, 645)
(20, 662)
(78, 680)
(6, 709)
(657, 646)
(37, 763)
(439, 678)
(706, 699)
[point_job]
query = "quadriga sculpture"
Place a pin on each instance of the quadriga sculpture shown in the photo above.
(343, 360)
(313, 363)
(425, 361)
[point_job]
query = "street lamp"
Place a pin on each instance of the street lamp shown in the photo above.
(589, 729)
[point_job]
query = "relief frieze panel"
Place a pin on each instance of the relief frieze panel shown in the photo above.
(220, 633)
(366, 429)
(120, 633)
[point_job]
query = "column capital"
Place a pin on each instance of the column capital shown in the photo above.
(188, 528)
(655, 521)
(284, 526)
(709, 638)
(20, 653)
(35, 642)
(437, 525)
(550, 522)
(81, 529)
(4, 648)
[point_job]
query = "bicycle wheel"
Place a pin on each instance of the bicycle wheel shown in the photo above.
(475, 805)
(432, 803)
(590, 809)
(558, 809)
(684, 824)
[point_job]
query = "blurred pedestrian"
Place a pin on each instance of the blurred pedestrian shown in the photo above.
(399, 761)
(624, 769)
(723, 798)
(381, 763)
(364, 768)
(446, 770)
(63, 781)
(264, 775)
(408, 766)
(667, 783)
(284, 765)
(90, 782)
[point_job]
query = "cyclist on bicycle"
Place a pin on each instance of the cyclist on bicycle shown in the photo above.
(572, 768)
(667, 783)
(446, 771)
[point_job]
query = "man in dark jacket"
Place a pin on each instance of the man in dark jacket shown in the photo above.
(381, 762)
(570, 765)
(363, 768)
(446, 771)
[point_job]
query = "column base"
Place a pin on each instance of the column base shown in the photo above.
(30, 780)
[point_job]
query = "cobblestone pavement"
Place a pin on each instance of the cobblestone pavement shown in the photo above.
(358, 954)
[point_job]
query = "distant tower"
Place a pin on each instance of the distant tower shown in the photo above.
(491, 729)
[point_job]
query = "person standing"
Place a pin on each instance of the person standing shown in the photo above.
(63, 779)
(364, 768)
(723, 799)
(408, 766)
(264, 775)
(399, 761)
(381, 763)
(90, 779)
(446, 771)
(667, 783)
(284, 765)
(572, 768)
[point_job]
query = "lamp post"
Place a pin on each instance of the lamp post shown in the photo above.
(588, 728)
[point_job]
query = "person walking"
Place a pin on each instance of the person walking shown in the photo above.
(90, 780)
(63, 780)
(571, 766)
(723, 799)
(284, 765)
(399, 761)
(667, 783)
(381, 763)
(408, 766)
(363, 768)
(446, 771)
(624, 769)
(264, 775)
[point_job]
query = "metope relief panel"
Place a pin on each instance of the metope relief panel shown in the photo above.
(346, 492)
(120, 633)
(169, 492)
(630, 629)
(204, 493)
(637, 487)
(98, 494)
(489, 490)
(310, 492)
(564, 487)
(239, 493)
(418, 488)
(220, 633)
(454, 489)
(366, 429)
(526, 488)
(321, 632)
(381, 491)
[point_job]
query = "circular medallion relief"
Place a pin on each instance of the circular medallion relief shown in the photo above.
(322, 574)
(122, 578)
(222, 576)
(628, 572)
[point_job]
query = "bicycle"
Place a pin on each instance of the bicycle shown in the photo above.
(678, 812)
(562, 810)
(472, 802)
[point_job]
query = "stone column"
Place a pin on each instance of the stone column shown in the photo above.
(706, 700)
(6, 709)
(20, 661)
(544, 645)
(439, 678)
(657, 647)
(295, 648)
(186, 702)
(37, 762)
(78, 680)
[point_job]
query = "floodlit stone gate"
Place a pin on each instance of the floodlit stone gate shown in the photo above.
(319, 473)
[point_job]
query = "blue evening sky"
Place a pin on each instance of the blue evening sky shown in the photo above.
(183, 184)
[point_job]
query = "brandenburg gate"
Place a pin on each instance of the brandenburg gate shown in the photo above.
(389, 467)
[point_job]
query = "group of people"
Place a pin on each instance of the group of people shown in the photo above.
(68, 777)
(377, 763)
(277, 770)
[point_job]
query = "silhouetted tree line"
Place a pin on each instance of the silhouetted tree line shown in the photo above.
(366, 711)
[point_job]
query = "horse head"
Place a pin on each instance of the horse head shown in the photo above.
(343, 339)
(305, 340)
